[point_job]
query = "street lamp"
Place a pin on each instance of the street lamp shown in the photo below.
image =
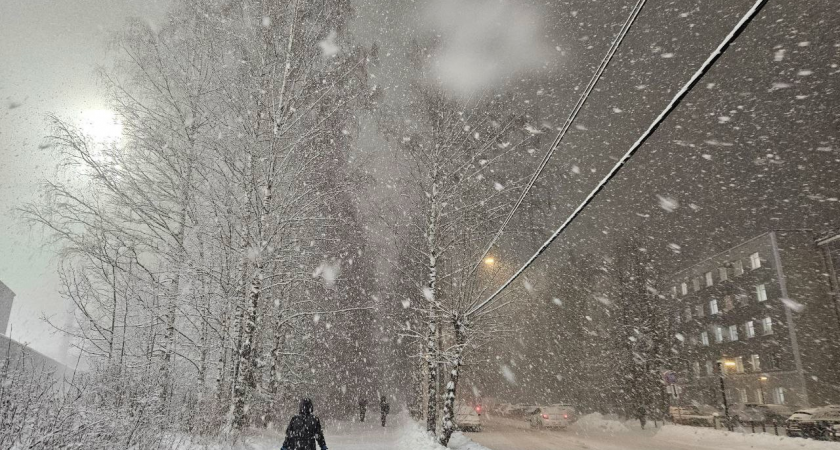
(720, 365)
(489, 261)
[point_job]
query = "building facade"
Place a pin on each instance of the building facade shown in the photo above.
(764, 315)
(13, 354)
(6, 299)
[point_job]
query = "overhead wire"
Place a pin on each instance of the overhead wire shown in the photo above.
(569, 120)
(675, 101)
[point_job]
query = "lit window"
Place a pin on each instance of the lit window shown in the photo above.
(709, 280)
(699, 310)
(718, 334)
(755, 261)
(696, 367)
(673, 291)
(767, 325)
(713, 307)
(742, 395)
(704, 338)
(779, 395)
(750, 327)
(733, 332)
(710, 369)
(755, 362)
(738, 267)
(761, 292)
(739, 364)
(684, 288)
(759, 395)
(724, 275)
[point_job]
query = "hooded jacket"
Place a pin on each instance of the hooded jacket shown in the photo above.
(304, 430)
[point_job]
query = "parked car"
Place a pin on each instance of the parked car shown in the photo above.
(760, 412)
(823, 424)
(467, 417)
(552, 417)
(568, 412)
(792, 424)
(698, 416)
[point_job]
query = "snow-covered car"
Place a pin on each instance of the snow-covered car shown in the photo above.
(467, 417)
(760, 412)
(698, 416)
(824, 423)
(792, 424)
(551, 417)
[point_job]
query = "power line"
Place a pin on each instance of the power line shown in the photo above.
(572, 116)
(704, 68)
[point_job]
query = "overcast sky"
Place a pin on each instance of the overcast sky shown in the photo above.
(49, 50)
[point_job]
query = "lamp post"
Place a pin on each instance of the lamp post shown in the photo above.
(720, 366)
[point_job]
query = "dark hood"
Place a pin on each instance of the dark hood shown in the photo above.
(306, 406)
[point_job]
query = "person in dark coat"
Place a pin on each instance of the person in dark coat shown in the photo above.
(362, 409)
(385, 408)
(304, 430)
(641, 414)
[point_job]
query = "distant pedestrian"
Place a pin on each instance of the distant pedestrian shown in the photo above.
(641, 413)
(362, 409)
(304, 430)
(384, 408)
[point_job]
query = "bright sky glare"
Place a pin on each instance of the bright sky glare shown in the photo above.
(101, 124)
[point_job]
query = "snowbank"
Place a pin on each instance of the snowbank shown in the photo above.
(461, 442)
(414, 437)
(733, 440)
(597, 422)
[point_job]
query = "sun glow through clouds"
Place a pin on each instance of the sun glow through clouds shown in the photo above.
(101, 125)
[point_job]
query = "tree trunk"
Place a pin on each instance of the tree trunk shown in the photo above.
(246, 351)
(448, 426)
(432, 343)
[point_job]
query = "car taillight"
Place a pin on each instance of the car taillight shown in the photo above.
(478, 409)
(565, 416)
(545, 416)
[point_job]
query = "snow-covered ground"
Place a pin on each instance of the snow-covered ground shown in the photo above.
(594, 432)
(591, 432)
(401, 434)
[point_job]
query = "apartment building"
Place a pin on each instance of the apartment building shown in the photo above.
(6, 299)
(15, 353)
(764, 312)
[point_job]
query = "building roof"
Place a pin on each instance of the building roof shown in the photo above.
(828, 237)
(6, 288)
(703, 261)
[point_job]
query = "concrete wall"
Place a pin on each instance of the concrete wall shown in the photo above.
(20, 356)
(6, 299)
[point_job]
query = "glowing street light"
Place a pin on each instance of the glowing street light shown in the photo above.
(489, 261)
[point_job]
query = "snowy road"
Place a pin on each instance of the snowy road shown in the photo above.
(506, 435)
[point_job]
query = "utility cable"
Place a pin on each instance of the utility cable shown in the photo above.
(572, 116)
(704, 68)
